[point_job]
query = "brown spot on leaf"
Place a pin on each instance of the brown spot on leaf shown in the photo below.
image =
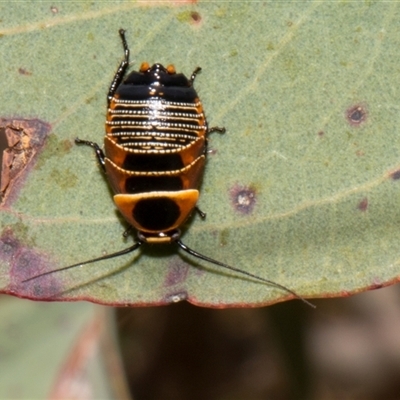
(321, 133)
(376, 286)
(395, 175)
(356, 114)
(243, 198)
(20, 142)
(25, 263)
(24, 71)
(54, 9)
(363, 204)
(177, 273)
(196, 17)
(223, 237)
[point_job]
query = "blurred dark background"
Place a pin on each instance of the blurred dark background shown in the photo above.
(348, 348)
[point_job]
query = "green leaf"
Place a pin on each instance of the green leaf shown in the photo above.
(302, 189)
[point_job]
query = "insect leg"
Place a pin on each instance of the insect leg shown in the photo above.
(99, 152)
(127, 232)
(201, 213)
(193, 76)
(119, 75)
(216, 129)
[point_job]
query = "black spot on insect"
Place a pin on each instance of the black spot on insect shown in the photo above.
(356, 115)
(156, 214)
(142, 184)
(152, 162)
(395, 175)
(363, 204)
(243, 198)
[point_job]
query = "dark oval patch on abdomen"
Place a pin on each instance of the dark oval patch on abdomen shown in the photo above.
(157, 214)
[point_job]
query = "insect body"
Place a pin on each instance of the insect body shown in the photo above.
(154, 154)
(155, 147)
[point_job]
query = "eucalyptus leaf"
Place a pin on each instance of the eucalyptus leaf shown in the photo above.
(303, 189)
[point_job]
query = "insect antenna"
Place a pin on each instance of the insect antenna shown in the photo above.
(93, 260)
(221, 264)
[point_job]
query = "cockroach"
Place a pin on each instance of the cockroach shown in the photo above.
(155, 149)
